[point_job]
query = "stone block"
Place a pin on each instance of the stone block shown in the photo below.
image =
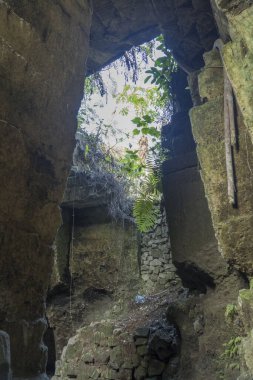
(144, 362)
(131, 361)
(101, 356)
(155, 263)
(116, 358)
(166, 276)
(140, 373)
(153, 277)
(124, 374)
(142, 350)
(145, 277)
(141, 332)
(155, 367)
(141, 341)
(162, 281)
(211, 83)
(109, 373)
(170, 267)
(88, 357)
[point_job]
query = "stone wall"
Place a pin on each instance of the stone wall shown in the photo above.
(212, 284)
(44, 48)
(105, 256)
(157, 269)
(232, 224)
(101, 268)
(238, 57)
(112, 350)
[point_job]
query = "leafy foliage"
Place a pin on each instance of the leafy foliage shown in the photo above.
(144, 210)
(160, 73)
(232, 348)
(230, 312)
(230, 356)
(138, 169)
(129, 62)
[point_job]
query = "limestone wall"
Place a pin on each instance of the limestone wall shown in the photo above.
(238, 57)
(232, 224)
(102, 268)
(105, 256)
(44, 48)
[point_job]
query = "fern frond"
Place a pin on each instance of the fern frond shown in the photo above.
(144, 210)
(145, 213)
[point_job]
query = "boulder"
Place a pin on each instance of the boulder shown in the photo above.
(164, 340)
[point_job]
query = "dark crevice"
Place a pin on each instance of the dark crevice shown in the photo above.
(193, 277)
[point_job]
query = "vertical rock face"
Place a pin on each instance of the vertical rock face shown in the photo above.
(103, 268)
(238, 57)
(192, 236)
(232, 225)
(44, 46)
(195, 253)
(96, 256)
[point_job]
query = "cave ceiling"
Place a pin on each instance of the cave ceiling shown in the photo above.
(188, 26)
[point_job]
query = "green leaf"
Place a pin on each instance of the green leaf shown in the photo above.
(136, 120)
(136, 132)
(86, 151)
(147, 118)
(147, 78)
(145, 130)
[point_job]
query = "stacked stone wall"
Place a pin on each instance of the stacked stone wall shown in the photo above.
(104, 350)
(157, 269)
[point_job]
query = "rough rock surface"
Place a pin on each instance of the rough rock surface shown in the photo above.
(238, 57)
(102, 267)
(120, 349)
(157, 269)
(5, 356)
(189, 26)
(200, 317)
(44, 46)
(95, 260)
(40, 41)
(232, 225)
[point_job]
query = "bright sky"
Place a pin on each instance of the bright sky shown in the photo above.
(106, 106)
